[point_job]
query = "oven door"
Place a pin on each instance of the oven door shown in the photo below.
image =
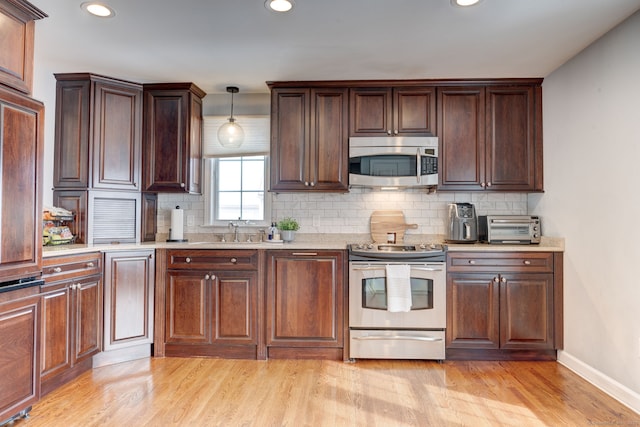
(368, 297)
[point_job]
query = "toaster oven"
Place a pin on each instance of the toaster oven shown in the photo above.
(509, 229)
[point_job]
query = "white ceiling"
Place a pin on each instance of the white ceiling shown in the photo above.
(216, 43)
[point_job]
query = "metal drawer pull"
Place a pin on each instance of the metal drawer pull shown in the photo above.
(527, 262)
(187, 260)
(57, 269)
(472, 261)
(90, 265)
(305, 253)
(233, 260)
(397, 337)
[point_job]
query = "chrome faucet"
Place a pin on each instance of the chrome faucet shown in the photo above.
(235, 227)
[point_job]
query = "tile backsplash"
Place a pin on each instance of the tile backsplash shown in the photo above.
(350, 212)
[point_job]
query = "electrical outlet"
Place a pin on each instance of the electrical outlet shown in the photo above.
(190, 220)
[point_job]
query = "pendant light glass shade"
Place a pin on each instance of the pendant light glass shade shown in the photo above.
(279, 5)
(231, 134)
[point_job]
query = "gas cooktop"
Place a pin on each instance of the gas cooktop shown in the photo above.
(398, 251)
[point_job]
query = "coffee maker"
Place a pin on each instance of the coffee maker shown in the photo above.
(463, 223)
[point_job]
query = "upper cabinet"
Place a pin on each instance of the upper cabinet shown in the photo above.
(402, 111)
(491, 137)
(16, 38)
(98, 136)
(309, 139)
(173, 138)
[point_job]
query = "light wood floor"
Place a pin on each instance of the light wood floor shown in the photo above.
(212, 392)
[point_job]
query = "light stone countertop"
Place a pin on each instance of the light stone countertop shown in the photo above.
(301, 242)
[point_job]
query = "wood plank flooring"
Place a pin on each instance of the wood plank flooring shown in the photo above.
(215, 392)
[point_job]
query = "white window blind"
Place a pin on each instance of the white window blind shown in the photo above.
(256, 136)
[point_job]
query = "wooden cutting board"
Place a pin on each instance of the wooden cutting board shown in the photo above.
(389, 221)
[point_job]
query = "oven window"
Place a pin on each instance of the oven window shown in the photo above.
(374, 293)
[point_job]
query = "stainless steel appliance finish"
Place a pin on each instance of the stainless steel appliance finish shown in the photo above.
(393, 162)
(510, 229)
(463, 223)
(378, 333)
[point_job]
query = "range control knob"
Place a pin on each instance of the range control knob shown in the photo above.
(423, 246)
(369, 245)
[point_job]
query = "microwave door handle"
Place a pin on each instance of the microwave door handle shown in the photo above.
(418, 166)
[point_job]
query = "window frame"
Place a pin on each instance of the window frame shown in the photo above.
(211, 188)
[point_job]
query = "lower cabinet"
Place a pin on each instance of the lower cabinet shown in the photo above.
(128, 306)
(305, 304)
(209, 304)
(20, 355)
(71, 317)
(504, 305)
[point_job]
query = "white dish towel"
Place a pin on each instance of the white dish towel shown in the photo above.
(398, 288)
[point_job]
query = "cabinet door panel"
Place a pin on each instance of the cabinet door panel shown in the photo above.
(236, 296)
(19, 358)
(289, 137)
(128, 314)
(88, 318)
(117, 125)
(330, 141)
(511, 154)
(371, 111)
(462, 141)
(56, 332)
(305, 300)
(526, 311)
(188, 308)
(20, 174)
(473, 311)
(415, 111)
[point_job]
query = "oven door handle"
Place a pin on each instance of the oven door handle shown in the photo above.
(382, 268)
(396, 337)
(426, 269)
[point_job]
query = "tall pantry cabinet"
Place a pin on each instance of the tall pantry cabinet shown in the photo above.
(21, 157)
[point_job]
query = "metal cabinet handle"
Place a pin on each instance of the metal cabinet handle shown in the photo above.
(395, 132)
(182, 185)
(306, 183)
(73, 286)
(187, 260)
(488, 184)
(503, 279)
(233, 260)
(472, 261)
(526, 262)
(496, 280)
(207, 277)
(482, 184)
(57, 269)
(313, 184)
(90, 265)
(304, 254)
(388, 131)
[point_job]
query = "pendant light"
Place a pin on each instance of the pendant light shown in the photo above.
(279, 5)
(231, 134)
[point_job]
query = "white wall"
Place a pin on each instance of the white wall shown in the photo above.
(592, 176)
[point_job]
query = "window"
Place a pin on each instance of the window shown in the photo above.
(238, 189)
(236, 178)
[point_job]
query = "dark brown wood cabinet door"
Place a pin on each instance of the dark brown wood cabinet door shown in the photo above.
(71, 154)
(56, 332)
(305, 299)
(473, 310)
(526, 311)
(414, 111)
(195, 145)
(19, 332)
(514, 151)
(117, 136)
(461, 121)
(236, 307)
(87, 318)
(128, 305)
(21, 145)
(329, 145)
(370, 112)
(289, 139)
(188, 307)
(166, 113)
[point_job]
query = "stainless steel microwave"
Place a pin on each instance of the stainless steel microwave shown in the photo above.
(393, 162)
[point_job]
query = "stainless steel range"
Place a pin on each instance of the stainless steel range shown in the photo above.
(385, 326)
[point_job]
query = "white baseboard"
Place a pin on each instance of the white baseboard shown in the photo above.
(625, 395)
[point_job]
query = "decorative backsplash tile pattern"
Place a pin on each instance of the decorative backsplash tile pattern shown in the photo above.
(350, 212)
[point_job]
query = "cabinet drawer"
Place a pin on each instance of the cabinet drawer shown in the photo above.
(72, 266)
(533, 262)
(213, 259)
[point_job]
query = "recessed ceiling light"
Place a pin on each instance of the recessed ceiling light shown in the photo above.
(98, 9)
(464, 3)
(279, 5)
